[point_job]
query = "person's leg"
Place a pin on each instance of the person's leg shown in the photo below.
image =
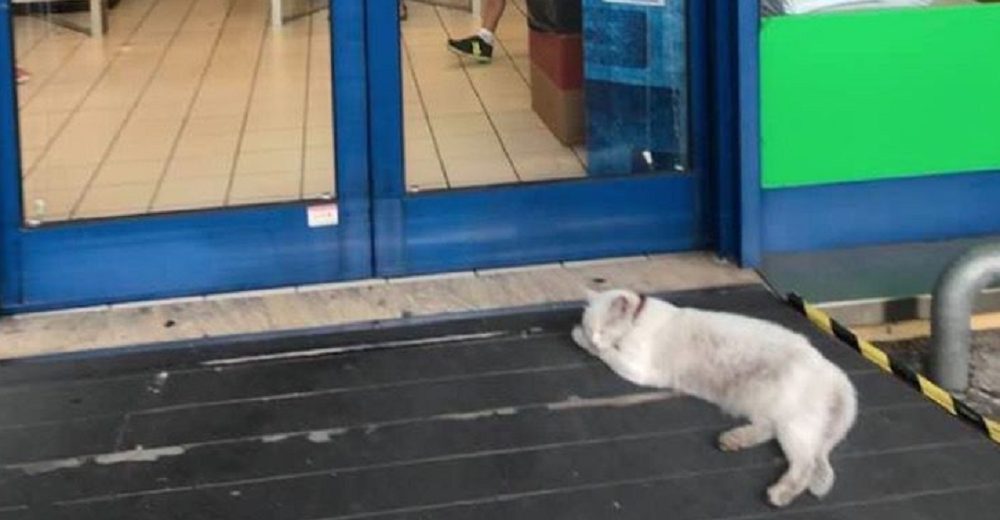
(492, 12)
(480, 45)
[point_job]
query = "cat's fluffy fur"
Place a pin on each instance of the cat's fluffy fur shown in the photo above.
(750, 368)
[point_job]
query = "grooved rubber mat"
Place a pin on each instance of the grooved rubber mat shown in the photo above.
(483, 416)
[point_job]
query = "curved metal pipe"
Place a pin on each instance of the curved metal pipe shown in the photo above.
(951, 313)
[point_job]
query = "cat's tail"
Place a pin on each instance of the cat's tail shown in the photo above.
(843, 410)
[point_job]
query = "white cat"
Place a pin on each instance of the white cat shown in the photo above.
(750, 368)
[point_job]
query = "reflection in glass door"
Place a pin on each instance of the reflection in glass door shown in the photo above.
(538, 131)
(537, 109)
(190, 150)
(89, 17)
(182, 105)
(284, 11)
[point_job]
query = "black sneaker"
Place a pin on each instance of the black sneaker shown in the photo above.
(472, 47)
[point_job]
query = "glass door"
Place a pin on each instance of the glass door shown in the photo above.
(284, 11)
(539, 131)
(195, 147)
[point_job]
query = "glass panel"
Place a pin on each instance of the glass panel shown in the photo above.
(566, 90)
(181, 105)
(85, 16)
(292, 9)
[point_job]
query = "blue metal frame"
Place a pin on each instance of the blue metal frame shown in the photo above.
(102, 261)
(724, 131)
(735, 132)
(521, 224)
(700, 97)
(257, 247)
(879, 212)
(545, 222)
(10, 187)
(748, 78)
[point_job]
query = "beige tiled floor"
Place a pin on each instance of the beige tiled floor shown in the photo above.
(200, 103)
(352, 302)
(468, 124)
(184, 104)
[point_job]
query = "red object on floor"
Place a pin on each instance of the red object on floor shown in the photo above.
(559, 56)
(561, 110)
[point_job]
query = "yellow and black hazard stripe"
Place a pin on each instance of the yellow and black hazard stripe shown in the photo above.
(887, 363)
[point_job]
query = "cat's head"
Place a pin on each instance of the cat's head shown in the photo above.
(609, 316)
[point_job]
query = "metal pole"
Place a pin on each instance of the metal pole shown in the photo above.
(951, 313)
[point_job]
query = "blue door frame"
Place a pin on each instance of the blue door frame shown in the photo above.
(577, 219)
(174, 255)
(735, 135)
(385, 232)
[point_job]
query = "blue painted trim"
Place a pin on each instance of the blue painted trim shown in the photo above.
(182, 255)
(349, 56)
(881, 212)
(350, 94)
(724, 132)
(538, 223)
(386, 99)
(10, 183)
(700, 120)
(103, 261)
(748, 54)
(529, 223)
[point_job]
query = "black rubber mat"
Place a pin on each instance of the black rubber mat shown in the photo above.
(472, 417)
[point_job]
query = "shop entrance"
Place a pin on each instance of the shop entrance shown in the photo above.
(195, 146)
(200, 146)
(570, 130)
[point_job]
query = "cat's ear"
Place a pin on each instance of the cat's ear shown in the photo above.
(620, 307)
(592, 295)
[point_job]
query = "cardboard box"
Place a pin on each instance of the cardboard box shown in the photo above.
(560, 56)
(561, 110)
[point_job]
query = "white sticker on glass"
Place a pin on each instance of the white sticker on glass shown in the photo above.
(323, 215)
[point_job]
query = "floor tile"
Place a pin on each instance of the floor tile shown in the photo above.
(104, 201)
(191, 192)
(247, 188)
(131, 172)
(200, 97)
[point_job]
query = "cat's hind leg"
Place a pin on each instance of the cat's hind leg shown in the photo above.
(822, 477)
(746, 436)
(800, 446)
(843, 411)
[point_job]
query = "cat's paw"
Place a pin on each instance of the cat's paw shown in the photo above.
(822, 480)
(730, 441)
(742, 437)
(779, 495)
